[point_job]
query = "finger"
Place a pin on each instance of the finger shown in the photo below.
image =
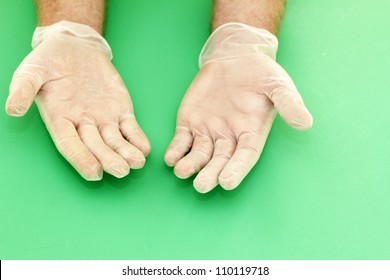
(131, 130)
(289, 104)
(291, 108)
(26, 82)
(249, 147)
(114, 139)
(68, 143)
(111, 162)
(196, 159)
(207, 179)
(179, 146)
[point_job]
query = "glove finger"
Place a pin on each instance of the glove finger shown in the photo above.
(249, 148)
(111, 162)
(179, 146)
(196, 159)
(133, 133)
(68, 143)
(283, 93)
(26, 82)
(207, 179)
(291, 108)
(114, 139)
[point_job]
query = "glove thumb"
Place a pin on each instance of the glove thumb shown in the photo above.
(27, 80)
(291, 108)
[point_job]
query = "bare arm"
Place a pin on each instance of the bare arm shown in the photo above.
(265, 14)
(88, 12)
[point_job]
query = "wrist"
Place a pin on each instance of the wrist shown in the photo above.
(88, 12)
(83, 32)
(234, 40)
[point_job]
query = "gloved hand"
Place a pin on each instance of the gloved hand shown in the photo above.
(227, 113)
(82, 100)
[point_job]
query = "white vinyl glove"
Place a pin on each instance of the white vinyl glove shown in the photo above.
(82, 100)
(226, 115)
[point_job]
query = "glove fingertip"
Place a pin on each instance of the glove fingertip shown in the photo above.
(203, 184)
(295, 114)
(169, 159)
(302, 122)
(16, 110)
(96, 176)
(228, 183)
(19, 100)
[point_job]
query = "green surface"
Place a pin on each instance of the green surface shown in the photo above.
(321, 194)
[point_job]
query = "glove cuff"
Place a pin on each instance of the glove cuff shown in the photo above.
(84, 32)
(232, 40)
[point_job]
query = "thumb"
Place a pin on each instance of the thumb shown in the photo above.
(291, 108)
(26, 82)
(281, 90)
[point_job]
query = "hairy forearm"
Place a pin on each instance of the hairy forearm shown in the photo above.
(88, 12)
(265, 14)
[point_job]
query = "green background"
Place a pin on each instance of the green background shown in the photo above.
(320, 194)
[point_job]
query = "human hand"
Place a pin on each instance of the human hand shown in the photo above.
(226, 115)
(82, 100)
